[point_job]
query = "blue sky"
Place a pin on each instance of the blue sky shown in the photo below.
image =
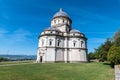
(21, 21)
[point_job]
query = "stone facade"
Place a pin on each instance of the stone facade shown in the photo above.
(61, 43)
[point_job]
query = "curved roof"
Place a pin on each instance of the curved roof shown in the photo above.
(61, 13)
(52, 29)
(75, 31)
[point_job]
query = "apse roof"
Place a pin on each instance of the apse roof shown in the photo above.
(75, 31)
(52, 29)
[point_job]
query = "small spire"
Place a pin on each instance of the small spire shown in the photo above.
(61, 10)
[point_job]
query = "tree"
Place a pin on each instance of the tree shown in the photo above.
(114, 52)
(109, 50)
(91, 55)
(3, 59)
(116, 35)
(102, 50)
(114, 55)
(117, 42)
(116, 38)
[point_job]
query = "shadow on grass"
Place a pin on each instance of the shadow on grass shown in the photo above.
(106, 63)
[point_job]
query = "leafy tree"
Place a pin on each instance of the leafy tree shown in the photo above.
(114, 52)
(117, 42)
(116, 35)
(116, 38)
(114, 55)
(91, 55)
(102, 50)
(109, 50)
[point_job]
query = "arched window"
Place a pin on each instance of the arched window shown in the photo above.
(58, 21)
(58, 43)
(74, 43)
(82, 42)
(63, 20)
(50, 42)
(67, 29)
(73, 34)
(42, 42)
(54, 21)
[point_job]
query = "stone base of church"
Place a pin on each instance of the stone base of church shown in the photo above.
(63, 62)
(60, 62)
(49, 62)
(77, 61)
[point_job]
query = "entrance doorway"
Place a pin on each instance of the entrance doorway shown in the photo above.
(41, 59)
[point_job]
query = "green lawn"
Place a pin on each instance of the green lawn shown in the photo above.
(15, 62)
(57, 71)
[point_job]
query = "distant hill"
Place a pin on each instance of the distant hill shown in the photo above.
(18, 57)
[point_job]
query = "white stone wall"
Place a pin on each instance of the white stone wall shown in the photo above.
(82, 45)
(53, 41)
(72, 41)
(40, 41)
(41, 52)
(74, 55)
(59, 55)
(46, 41)
(59, 21)
(66, 55)
(83, 55)
(50, 55)
(38, 57)
(60, 40)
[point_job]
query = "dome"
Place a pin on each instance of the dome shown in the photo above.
(52, 29)
(61, 13)
(74, 31)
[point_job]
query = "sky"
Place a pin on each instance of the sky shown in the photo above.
(21, 22)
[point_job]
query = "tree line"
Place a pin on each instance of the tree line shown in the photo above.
(3, 59)
(108, 51)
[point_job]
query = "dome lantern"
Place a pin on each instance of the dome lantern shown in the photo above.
(61, 18)
(61, 13)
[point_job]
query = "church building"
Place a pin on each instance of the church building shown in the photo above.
(61, 42)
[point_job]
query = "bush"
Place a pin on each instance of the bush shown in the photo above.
(101, 60)
(114, 55)
(3, 59)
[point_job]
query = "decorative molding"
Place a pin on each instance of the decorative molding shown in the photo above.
(63, 48)
(62, 36)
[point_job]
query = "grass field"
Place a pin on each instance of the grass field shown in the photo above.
(57, 71)
(16, 62)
